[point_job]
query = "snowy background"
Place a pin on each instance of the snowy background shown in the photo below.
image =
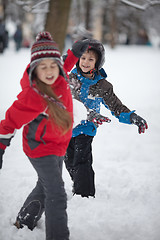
(127, 165)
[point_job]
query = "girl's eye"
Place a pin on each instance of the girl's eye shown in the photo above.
(43, 67)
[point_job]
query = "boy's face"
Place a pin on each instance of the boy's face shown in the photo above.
(47, 71)
(87, 61)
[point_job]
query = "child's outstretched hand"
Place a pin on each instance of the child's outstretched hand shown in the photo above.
(1, 155)
(79, 47)
(140, 122)
(97, 118)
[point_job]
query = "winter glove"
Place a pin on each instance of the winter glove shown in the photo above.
(1, 154)
(140, 122)
(64, 56)
(97, 118)
(79, 47)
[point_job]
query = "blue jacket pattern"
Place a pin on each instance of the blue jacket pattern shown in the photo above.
(93, 102)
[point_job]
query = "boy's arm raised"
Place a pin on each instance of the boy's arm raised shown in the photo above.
(73, 55)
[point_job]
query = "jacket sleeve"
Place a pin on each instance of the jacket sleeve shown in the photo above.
(111, 101)
(26, 108)
(75, 86)
(69, 61)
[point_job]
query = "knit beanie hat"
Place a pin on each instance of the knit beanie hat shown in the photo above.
(44, 47)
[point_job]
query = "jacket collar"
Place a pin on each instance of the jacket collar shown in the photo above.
(87, 80)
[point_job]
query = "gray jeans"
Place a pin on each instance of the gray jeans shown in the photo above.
(50, 193)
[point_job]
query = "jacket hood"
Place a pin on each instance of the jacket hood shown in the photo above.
(25, 79)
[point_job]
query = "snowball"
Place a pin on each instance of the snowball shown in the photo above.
(79, 112)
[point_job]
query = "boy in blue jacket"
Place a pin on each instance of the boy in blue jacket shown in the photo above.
(89, 86)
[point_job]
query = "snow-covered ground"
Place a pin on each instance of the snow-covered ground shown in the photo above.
(127, 165)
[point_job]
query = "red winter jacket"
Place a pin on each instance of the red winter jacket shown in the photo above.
(40, 137)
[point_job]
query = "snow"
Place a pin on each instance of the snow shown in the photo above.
(126, 164)
(79, 112)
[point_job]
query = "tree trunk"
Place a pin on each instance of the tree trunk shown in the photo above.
(4, 6)
(98, 24)
(57, 20)
(88, 8)
(113, 24)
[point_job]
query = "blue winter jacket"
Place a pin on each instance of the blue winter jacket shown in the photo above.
(93, 93)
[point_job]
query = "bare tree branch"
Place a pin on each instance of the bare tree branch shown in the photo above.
(141, 7)
(23, 2)
(41, 2)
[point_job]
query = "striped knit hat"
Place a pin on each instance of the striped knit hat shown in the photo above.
(44, 47)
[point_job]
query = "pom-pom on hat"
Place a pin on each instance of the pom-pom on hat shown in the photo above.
(44, 47)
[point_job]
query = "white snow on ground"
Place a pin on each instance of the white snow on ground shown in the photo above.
(127, 165)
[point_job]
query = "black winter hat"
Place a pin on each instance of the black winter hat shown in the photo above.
(99, 48)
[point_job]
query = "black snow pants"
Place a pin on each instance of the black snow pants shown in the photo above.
(78, 161)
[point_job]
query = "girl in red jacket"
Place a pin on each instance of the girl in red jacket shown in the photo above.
(44, 107)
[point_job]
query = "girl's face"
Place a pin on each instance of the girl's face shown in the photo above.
(87, 61)
(47, 71)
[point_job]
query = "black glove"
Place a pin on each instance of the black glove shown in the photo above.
(79, 47)
(64, 56)
(1, 154)
(97, 118)
(140, 122)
